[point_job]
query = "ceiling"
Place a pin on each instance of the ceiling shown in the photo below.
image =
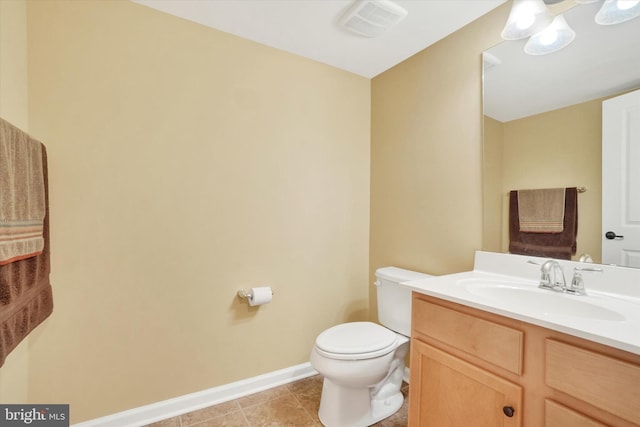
(309, 28)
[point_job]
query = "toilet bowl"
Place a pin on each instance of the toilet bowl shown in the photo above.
(363, 363)
(361, 383)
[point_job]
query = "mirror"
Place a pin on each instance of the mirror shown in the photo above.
(543, 124)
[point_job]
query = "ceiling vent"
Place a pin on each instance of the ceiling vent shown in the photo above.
(370, 18)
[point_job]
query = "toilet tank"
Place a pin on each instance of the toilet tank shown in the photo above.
(394, 301)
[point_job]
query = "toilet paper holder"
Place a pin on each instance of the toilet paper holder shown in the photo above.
(247, 294)
(244, 294)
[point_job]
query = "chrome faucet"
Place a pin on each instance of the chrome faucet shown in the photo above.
(552, 276)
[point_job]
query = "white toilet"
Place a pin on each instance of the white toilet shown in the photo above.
(363, 362)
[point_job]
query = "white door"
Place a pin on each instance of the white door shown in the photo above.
(621, 180)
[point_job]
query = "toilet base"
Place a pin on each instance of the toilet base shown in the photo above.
(353, 407)
(381, 409)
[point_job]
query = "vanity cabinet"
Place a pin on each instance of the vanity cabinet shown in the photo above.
(471, 367)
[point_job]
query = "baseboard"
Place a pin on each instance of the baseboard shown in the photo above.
(192, 402)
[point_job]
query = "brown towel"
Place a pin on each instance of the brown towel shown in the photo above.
(26, 298)
(541, 211)
(554, 245)
(22, 205)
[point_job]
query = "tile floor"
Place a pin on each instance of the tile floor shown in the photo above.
(290, 405)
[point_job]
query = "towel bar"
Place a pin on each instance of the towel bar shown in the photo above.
(580, 189)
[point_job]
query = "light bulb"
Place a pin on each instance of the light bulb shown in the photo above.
(626, 4)
(527, 17)
(525, 21)
(547, 37)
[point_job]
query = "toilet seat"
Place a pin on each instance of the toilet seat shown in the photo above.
(356, 341)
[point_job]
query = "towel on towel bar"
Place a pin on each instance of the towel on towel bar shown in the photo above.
(555, 245)
(26, 297)
(22, 204)
(541, 211)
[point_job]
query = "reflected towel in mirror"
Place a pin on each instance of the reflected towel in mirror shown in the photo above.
(554, 245)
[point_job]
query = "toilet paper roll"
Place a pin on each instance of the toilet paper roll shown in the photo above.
(261, 295)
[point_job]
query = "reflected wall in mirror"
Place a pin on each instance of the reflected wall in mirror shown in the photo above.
(543, 120)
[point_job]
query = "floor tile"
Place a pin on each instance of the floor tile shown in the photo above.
(234, 419)
(264, 396)
(290, 405)
(201, 415)
(311, 404)
(282, 411)
(307, 386)
(171, 422)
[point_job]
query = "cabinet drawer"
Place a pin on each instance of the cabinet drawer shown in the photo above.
(602, 381)
(556, 415)
(489, 341)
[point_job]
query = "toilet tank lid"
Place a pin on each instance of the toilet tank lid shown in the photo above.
(356, 338)
(399, 274)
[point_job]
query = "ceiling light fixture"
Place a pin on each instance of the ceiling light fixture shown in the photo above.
(556, 36)
(526, 18)
(617, 11)
(371, 18)
(532, 18)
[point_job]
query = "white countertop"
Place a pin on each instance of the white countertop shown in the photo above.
(611, 317)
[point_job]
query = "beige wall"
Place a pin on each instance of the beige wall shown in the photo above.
(185, 164)
(13, 63)
(13, 108)
(426, 154)
(560, 148)
(492, 184)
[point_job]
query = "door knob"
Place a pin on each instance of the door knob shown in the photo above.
(508, 411)
(612, 235)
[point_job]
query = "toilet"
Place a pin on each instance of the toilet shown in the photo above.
(363, 363)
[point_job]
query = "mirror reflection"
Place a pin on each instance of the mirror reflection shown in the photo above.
(543, 120)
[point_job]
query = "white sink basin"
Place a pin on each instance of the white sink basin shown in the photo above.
(545, 301)
(507, 285)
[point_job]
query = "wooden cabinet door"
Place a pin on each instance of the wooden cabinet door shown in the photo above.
(449, 392)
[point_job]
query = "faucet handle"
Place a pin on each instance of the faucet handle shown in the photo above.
(577, 283)
(596, 269)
